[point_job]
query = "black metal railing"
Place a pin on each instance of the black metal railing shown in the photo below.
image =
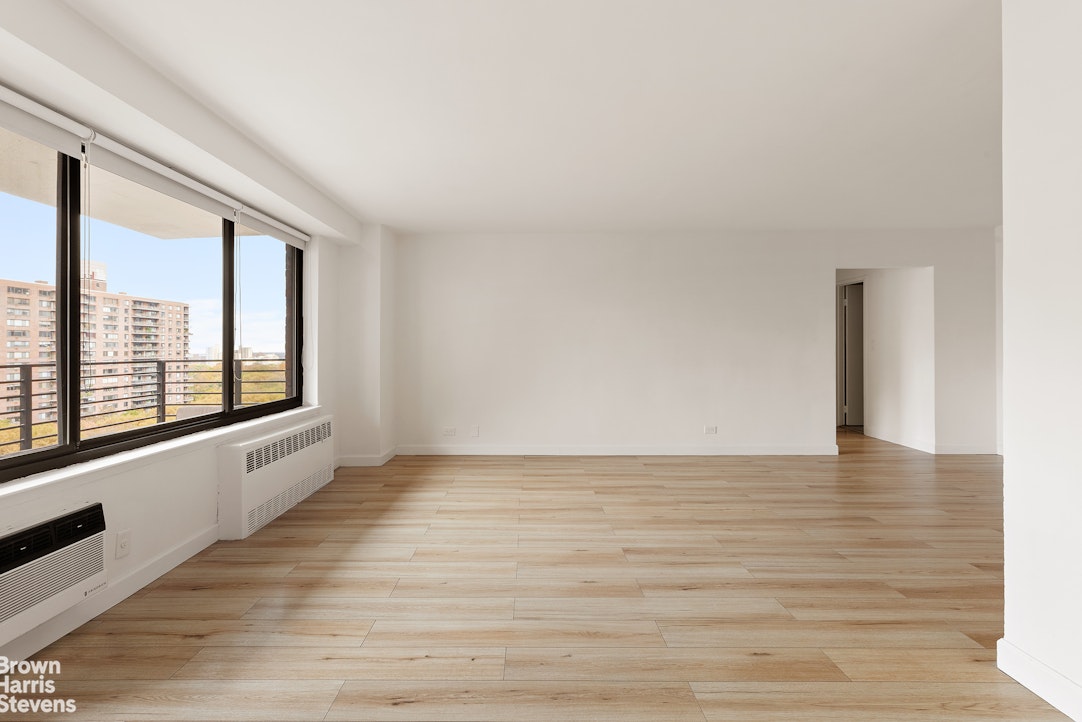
(120, 395)
(21, 395)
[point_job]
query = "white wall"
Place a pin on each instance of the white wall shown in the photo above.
(614, 345)
(1042, 348)
(632, 344)
(365, 350)
(321, 324)
(899, 357)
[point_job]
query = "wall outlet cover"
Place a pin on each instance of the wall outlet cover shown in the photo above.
(123, 543)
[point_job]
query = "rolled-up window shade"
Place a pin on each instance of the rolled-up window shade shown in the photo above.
(268, 226)
(44, 125)
(36, 122)
(100, 157)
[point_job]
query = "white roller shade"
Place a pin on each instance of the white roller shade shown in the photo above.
(268, 226)
(161, 178)
(44, 125)
(35, 121)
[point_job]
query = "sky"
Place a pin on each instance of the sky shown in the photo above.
(187, 270)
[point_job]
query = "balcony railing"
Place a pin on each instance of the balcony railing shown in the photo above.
(121, 395)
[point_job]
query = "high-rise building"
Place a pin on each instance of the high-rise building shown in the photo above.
(126, 346)
(29, 361)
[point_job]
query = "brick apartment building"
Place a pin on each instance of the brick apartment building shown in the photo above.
(126, 344)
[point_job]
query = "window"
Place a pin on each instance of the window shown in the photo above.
(262, 366)
(211, 308)
(171, 255)
(28, 241)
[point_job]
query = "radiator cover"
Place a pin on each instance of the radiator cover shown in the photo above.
(262, 478)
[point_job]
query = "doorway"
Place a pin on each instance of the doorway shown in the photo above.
(851, 356)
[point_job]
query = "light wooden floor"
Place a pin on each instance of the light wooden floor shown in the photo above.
(864, 587)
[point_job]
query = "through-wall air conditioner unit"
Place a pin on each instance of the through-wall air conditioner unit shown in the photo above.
(260, 479)
(50, 567)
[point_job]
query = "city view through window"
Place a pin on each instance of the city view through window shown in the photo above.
(150, 307)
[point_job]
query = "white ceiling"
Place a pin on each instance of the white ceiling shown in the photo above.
(581, 115)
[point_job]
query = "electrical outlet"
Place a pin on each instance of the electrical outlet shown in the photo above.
(123, 543)
(449, 431)
(475, 431)
(710, 429)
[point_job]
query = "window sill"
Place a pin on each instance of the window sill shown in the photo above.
(88, 471)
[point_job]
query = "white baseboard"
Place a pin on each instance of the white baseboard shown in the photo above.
(966, 449)
(117, 591)
(930, 447)
(372, 460)
(926, 445)
(532, 450)
(1060, 692)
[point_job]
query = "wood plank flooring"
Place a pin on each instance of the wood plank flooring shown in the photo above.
(862, 587)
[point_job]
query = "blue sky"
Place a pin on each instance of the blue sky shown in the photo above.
(187, 270)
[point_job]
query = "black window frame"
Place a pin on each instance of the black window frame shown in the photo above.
(70, 448)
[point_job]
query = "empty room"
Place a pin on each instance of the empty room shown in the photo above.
(540, 360)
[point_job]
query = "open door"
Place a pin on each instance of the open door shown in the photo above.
(852, 357)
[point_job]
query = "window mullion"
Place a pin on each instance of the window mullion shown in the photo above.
(228, 314)
(68, 216)
(294, 321)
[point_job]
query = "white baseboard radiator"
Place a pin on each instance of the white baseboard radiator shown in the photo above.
(50, 567)
(260, 479)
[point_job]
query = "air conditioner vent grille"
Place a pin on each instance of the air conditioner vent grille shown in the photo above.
(281, 448)
(42, 578)
(75, 526)
(24, 546)
(27, 545)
